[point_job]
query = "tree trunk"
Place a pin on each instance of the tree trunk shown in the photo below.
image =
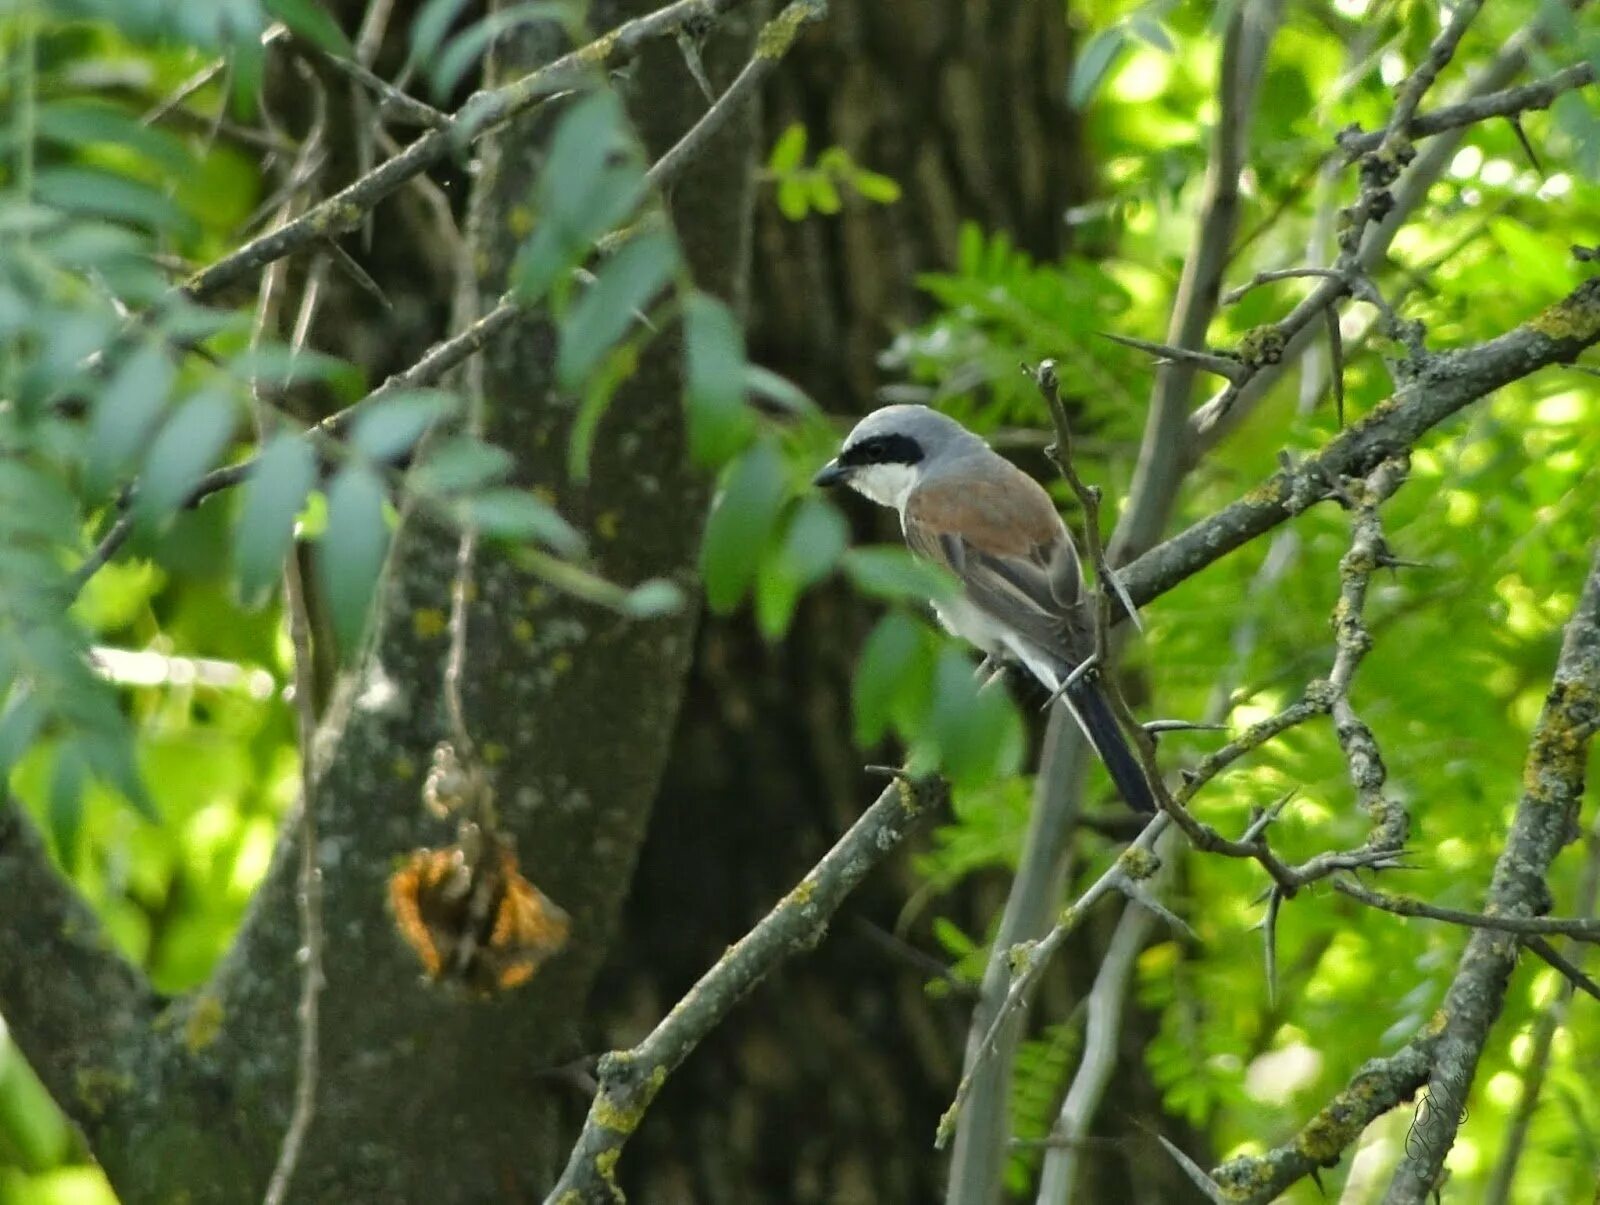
(827, 1086)
(423, 1095)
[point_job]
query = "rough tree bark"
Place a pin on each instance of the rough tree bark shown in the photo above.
(424, 1096)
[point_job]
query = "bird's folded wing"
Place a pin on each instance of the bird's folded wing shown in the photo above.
(1006, 544)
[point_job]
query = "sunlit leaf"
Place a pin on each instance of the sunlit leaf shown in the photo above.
(626, 283)
(719, 422)
(391, 426)
(273, 495)
(125, 412)
(312, 22)
(187, 445)
(351, 552)
(518, 515)
(741, 521)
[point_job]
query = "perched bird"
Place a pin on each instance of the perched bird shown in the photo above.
(1023, 599)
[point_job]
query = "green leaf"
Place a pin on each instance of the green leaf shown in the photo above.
(824, 194)
(894, 573)
(591, 180)
(598, 392)
(124, 413)
(1094, 61)
(467, 47)
(783, 393)
(875, 187)
(106, 194)
(20, 723)
(188, 444)
(742, 518)
(625, 285)
(794, 197)
(312, 22)
(653, 599)
(281, 365)
(891, 677)
(81, 122)
(459, 464)
(351, 552)
(429, 27)
(817, 534)
(274, 493)
(789, 151)
(720, 424)
(67, 780)
(391, 426)
(977, 734)
(518, 515)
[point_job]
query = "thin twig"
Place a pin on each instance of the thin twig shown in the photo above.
(1578, 928)
(1506, 103)
(308, 888)
(772, 43)
(1029, 960)
(482, 114)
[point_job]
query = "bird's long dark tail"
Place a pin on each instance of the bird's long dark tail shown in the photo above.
(1087, 698)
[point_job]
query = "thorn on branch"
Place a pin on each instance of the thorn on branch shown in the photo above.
(1573, 973)
(1157, 727)
(1336, 363)
(1194, 1171)
(1229, 367)
(1527, 147)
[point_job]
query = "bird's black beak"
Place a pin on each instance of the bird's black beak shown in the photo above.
(832, 473)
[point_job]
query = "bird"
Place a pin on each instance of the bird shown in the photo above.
(965, 507)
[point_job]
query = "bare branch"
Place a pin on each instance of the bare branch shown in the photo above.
(629, 1080)
(1580, 928)
(771, 45)
(1549, 1020)
(1570, 971)
(1506, 103)
(482, 114)
(1454, 380)
(1377, 1087)
(1545, 819)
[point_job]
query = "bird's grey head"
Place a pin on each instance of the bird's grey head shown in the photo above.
(891, 449)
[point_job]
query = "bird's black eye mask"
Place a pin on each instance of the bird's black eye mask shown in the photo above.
(882, 449)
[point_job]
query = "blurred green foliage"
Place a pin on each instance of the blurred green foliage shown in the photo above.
(185, 714)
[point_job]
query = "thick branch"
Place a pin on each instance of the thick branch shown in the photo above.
(80, 1013)
(1545, 820)
(629, 1080)
(1452, 381)
(1379, 1086)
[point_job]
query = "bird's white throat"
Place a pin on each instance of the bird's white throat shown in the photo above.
(885, 484)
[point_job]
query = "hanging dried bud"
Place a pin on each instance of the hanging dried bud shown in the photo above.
(471, 916)
(451, 788)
